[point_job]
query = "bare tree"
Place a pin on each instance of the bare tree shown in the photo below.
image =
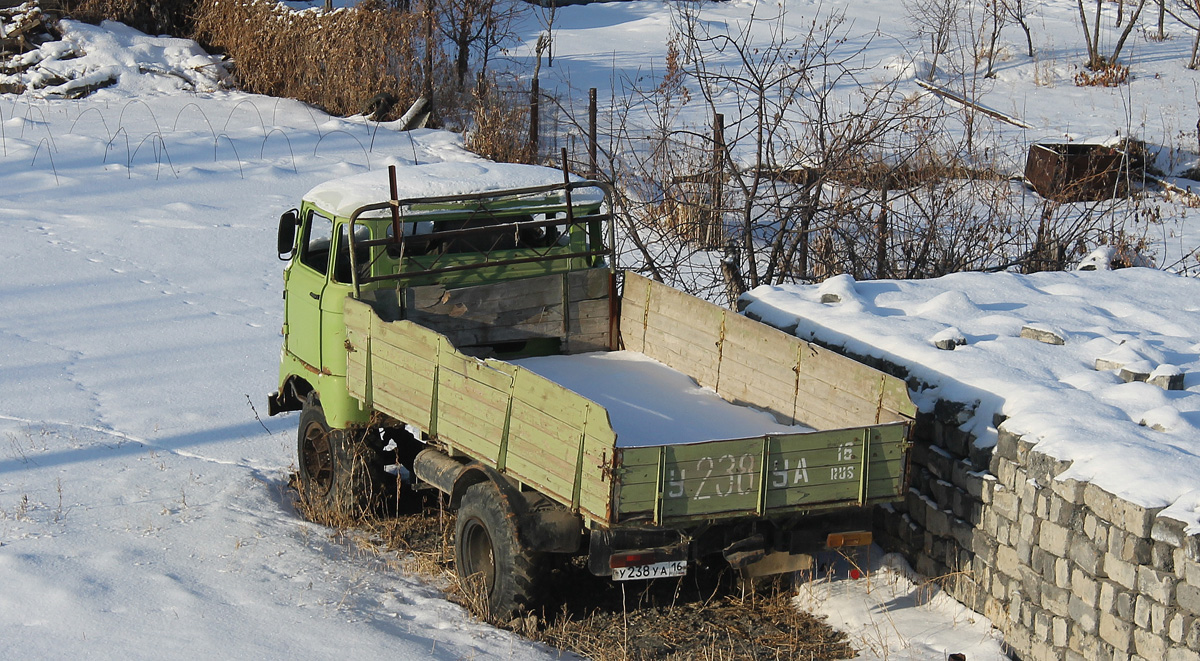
(1187, 12)
(1019, 12)
(935, 21)
(476, 25)
(1097, 60)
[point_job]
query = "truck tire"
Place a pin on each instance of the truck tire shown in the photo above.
(489, 556)
(342, 478)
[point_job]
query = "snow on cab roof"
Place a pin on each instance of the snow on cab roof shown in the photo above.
(1134, 439)
(343, 196)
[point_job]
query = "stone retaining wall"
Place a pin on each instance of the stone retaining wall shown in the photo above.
(1063, 568)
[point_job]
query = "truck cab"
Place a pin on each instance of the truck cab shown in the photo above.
(342, 242)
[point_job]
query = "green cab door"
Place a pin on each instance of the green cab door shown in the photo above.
(307, 277)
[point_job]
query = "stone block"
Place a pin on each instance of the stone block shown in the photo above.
(1084, 616)
(1058, 633)
(1181, 654)
(1123, 606)
(1025, 550)
(1086, 588)
(1168, 530)
(1187, 597)
(1062, 573)
(1149, 645)
(1027, 490)
(1085, 556)
(963, 477)
(1159, 618)
(1056, 600)
(1191, 637)
(1005, 503)
(1121, 572)
(1042, 649)
(1167, 381)
(1054, 538)
(1191, 571)
(1069, 490)
(1006, 445)
(1098, 501)
(1041, 626)
(1116, 632)
(1108, 596)
(1138, 520)
(1157, 585)
(1162, 556)
(1141, 611)
(1043, 335)
(1137, 550)
(1177, 624)
(937, 522)
(1061, 512)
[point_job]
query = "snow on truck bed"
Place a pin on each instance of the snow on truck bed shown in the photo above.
(1135, 440)
(651, 404)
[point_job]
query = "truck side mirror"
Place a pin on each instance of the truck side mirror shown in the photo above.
(288, 222)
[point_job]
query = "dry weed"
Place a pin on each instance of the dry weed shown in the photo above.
(1110, 75)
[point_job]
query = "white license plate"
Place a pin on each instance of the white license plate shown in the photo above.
(656, 570)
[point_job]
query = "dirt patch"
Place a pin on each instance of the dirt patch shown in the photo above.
(706, 615)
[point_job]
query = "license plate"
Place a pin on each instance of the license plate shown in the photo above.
(656, 570)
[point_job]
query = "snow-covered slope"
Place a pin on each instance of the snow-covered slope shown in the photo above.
(144, 511)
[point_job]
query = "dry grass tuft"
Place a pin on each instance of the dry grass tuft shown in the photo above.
(1110, 75)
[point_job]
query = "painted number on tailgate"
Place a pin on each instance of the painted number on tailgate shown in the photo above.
(729, 475)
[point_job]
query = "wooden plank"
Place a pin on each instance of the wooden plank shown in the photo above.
(589, 284)
(634, 297)
(768, 344)
(483, 301)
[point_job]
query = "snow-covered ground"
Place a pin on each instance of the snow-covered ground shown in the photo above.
(143, 506)
(144, 511)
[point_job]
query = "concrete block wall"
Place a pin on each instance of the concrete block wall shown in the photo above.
(1063, 568)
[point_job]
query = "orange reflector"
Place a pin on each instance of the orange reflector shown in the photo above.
(856, 538)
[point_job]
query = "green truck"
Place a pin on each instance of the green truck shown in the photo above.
(440, 327)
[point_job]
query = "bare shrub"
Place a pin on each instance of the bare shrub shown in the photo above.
(499, 124)
(150, 16)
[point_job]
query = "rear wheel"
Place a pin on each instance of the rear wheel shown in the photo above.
(342, 476)
(490, 560)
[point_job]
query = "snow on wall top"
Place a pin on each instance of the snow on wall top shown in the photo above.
(343, 196)
(1135, 440)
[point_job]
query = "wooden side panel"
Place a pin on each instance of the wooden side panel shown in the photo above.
(486, 314)
(684, 333)
(472, 404)
(750, 363)
(545, 433)
(589, 311)
(357, 317)
(759, 368)
(404, 359)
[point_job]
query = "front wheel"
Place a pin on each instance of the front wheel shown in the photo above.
(488, 556)
(342, 478)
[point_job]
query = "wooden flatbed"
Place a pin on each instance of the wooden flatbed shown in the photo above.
(564, 443)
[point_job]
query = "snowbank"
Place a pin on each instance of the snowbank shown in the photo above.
(1086, 400)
